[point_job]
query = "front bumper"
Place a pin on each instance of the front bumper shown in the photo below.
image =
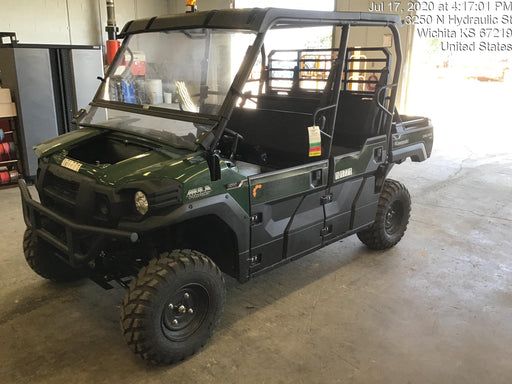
(34, 213)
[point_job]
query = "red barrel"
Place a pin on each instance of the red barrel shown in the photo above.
(5, 177)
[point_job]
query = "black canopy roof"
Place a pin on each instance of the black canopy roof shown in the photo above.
(255, 19)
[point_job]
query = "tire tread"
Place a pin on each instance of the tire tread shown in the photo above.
(44, 263)
(375, 237)
(133, 319)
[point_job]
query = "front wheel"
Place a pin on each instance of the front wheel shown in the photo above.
(172, 306)
(42, 259)
(393, 212)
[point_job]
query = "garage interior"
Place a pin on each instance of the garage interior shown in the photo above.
(436, 308)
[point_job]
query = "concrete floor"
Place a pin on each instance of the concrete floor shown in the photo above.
(437, 308)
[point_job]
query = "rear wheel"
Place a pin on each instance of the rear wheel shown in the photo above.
(42, 259)
(172, 306)
(392, 217)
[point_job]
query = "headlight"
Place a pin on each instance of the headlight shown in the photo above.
(141, 203)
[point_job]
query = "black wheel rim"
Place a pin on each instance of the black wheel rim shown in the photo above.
(393, 219)
(185, 312)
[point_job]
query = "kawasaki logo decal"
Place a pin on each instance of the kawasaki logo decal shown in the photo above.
(343, 173)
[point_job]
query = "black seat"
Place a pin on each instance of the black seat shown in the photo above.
(275, 139)
(359, 116)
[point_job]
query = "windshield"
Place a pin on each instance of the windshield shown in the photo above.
(185, 70)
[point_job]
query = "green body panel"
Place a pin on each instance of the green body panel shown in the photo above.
(237, 186)
(357, 163)
(194, 174)
(413, 136)
(190, 169)
(285, 183)
(152, 164)
(64, 141)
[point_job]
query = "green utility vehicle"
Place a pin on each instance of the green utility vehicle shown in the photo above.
(228, 141)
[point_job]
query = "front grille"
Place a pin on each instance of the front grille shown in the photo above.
(76, 197)
(60, 193)
(81, 199)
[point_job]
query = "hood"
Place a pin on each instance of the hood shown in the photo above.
(56, 144)
(115, 159)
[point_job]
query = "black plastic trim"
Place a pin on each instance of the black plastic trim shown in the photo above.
(223, 206)
(417, 152)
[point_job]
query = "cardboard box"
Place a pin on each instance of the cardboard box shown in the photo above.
(5, 95)
(7, 109)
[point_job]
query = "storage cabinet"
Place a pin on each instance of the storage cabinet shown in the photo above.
(49, 83)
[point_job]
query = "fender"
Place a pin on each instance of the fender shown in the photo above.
(222, 206)
(416, 152)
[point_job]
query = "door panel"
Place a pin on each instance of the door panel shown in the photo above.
(339, 211)
(303, 233)
(354, 201)
(284, 206)
(365, 207)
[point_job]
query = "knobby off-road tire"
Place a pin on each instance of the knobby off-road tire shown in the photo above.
(172, 306)
(41, 258)
(393, 212)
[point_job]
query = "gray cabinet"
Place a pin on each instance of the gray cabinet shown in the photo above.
(49, 84)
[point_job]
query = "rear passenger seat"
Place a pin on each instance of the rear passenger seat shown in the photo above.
(272, 138)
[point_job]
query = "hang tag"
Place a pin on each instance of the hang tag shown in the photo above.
(315, 141)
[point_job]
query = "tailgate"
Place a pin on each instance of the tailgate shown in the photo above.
(412, 137)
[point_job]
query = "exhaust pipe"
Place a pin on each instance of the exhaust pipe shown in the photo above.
(111, 28)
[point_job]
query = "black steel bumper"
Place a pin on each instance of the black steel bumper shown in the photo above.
(34, 211)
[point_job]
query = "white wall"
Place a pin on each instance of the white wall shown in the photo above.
(71, 21)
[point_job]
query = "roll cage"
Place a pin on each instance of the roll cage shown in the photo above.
(260, 21)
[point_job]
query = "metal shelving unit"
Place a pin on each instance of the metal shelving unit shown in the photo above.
(11, 167)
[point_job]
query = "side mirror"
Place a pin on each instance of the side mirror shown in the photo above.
(214, 165)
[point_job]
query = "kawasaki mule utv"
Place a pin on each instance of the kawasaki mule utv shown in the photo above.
(230, 140)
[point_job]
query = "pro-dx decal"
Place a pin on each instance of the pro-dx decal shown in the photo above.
(234, 185)
(199, 192)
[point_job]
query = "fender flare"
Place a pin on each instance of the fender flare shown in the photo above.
(223, 206)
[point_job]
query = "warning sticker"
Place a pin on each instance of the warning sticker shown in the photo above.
(315, 141)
